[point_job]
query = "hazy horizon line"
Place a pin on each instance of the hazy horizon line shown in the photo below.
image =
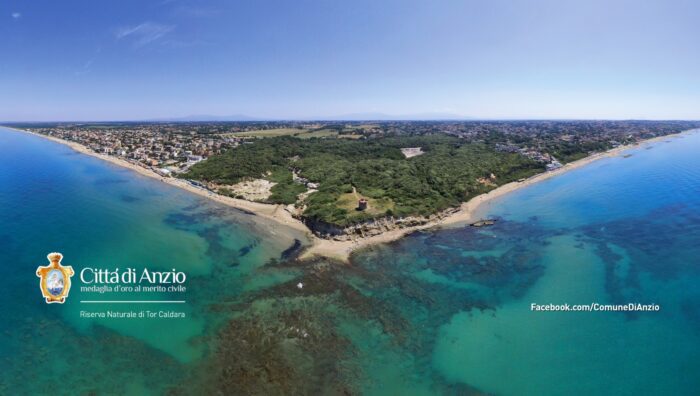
(332, 119)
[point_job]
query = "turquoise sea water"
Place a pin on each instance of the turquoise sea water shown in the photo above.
(100, 215)
(440, 312)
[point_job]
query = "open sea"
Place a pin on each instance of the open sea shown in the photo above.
(445, 312)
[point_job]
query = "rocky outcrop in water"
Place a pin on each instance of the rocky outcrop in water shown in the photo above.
(483, 223)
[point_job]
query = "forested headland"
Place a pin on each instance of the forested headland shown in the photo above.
(449, 171)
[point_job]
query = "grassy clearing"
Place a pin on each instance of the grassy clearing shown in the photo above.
(271, 132)
(318, 134)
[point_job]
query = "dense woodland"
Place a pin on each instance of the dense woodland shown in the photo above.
(446, 175)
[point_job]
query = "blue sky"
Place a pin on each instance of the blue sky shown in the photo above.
(119, 60)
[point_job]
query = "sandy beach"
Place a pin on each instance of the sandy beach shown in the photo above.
(274, 212)
(341, 250)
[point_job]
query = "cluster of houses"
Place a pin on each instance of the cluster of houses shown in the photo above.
(550, 162)
(165, 153)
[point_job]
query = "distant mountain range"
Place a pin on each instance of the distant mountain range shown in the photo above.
(389, 117)
(344, 117)
(204, 117)
(435, 116)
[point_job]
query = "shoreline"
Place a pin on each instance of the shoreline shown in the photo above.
(341, 250)
(269, 211)
(470, 207)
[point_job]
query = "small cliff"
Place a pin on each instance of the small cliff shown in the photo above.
(371, 227)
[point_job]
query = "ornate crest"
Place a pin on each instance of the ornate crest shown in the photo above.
(55, 279)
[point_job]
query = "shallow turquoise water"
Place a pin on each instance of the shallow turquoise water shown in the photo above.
(621, 230)
(100, 215)
(441, 312)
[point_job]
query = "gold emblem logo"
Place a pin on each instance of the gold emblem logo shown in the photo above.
(55, 279)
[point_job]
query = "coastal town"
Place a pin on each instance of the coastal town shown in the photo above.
(162, 150)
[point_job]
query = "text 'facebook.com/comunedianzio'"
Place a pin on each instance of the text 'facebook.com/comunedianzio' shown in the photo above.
(595, 307)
